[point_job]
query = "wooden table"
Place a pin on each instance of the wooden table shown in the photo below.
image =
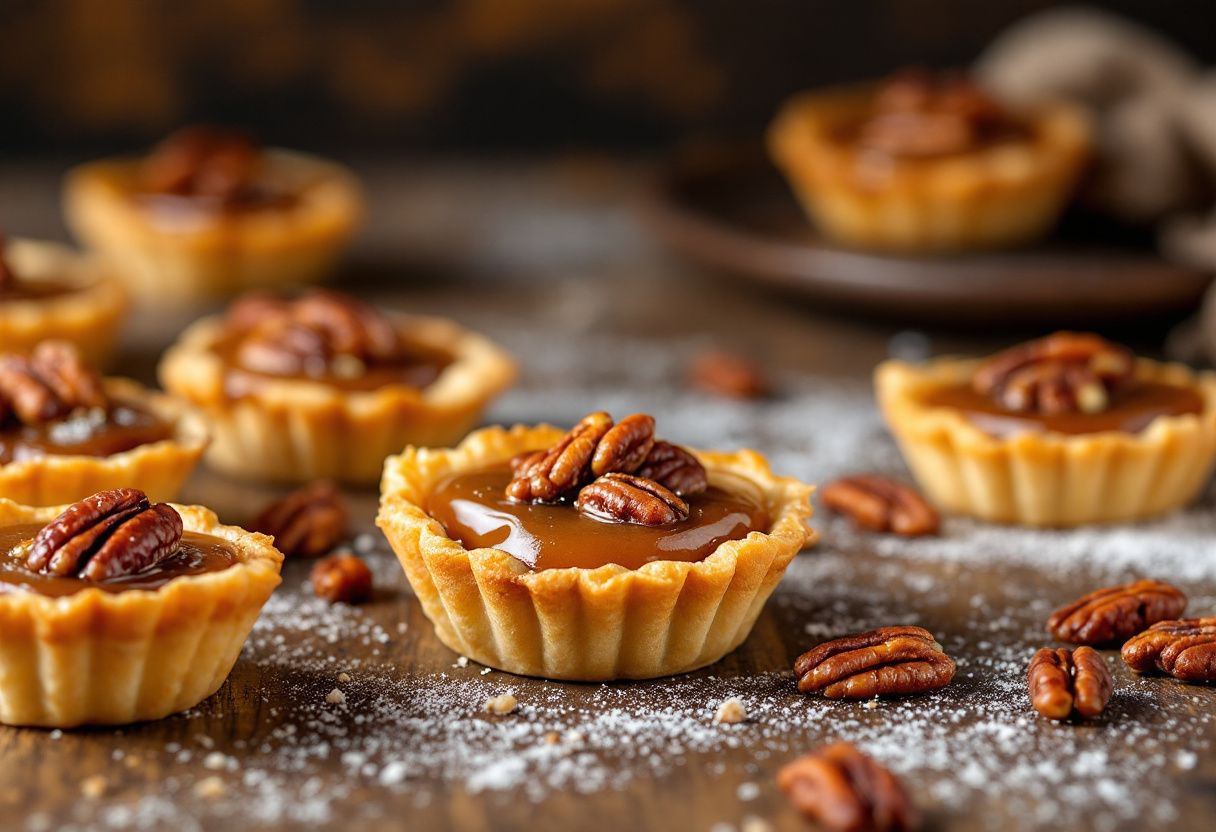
(547, 260)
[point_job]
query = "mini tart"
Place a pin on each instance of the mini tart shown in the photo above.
(585, 624)
(300, 430)
(89, 314)
(105, 658)
(996, 195)
(158, 468)
(201, 256)
(1043, 478)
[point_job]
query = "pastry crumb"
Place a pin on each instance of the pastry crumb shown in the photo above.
(871, 704)
(335, 697)
(463, 661)
(94, 786)
(210, 787)
(731, 712)
(486, 670)
(501, 705)
(343, 678)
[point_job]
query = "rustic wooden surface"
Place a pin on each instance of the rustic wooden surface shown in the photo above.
(549, 262)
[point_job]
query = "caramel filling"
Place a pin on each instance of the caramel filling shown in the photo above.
(94, 432)
(473, 509)
(419, 368)
(1131, 410)
(196, 554)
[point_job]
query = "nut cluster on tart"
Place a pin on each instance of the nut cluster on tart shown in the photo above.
(65, 432)
(209, 213)
(161, 596)
(596, 553)
(1066, 430)
(48, 291)
(928, 162)
(324, 386)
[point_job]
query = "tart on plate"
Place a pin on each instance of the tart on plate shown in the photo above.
(325, 386)
(115, 609)
(594, 554)
(1062, 431)
(928, 162)
(208, 213)
(66, 433)
(49, 291)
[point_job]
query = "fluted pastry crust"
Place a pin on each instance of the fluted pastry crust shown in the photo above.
(586, 624)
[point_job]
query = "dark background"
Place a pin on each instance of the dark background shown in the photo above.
(469, 76)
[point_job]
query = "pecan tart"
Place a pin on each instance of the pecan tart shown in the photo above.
(116, 609)
(1062, 431)
(598, 553)
(65, 432)
(49, 291)
(208, 213)
(928, 162)
(324, 386)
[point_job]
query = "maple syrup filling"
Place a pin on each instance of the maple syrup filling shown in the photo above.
(196, 554)
(420, 368)
(94, 432)
(473, 509)
(1131, 410)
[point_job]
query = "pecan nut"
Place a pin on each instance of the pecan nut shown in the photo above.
(564, 466)
(306, 523)
(204, 162)
(48, 384)
(1062, 373)
(625, 498)
(107, 535)
(843, 790)
(889, 661)
(880, 504)
(1184, 649)
(624, 446)
(1066, 682)
(674, 468)
(922, 114)
(729, 375)
(1115, 614)
(341, 579)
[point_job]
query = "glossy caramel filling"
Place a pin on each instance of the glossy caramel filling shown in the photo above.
(1131, 410)
(197, 554)
(473, 509)
(93, 432)
(420, 368)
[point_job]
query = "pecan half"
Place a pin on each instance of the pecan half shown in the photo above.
(889, 661)
(881, 504)
(920, 114)
(341, 579)
(674, 468)
(625, 498)
(1116, 613)
(1184, 649)
(624, 446)
(306, 523)
(1062, 373)
(843, 790)
(203, 161)
(729, 375)
(562, 467)
(107, 535)
(1066, 682)
(48, 384)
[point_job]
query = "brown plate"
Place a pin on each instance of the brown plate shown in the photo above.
(729, 209)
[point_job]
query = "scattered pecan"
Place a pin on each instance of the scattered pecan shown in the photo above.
(1116, 613)
(1184, 649)
(1063, 682)
(729, 375)
(107, 535)
(1062, 373)
(306, 523)
(341, 579)
(205, 162)
(674, 468)
(564, 466)
(843, 790)
(49, 384)
(625, 498)
(624, 446)
(881, 504)
(889, 661)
